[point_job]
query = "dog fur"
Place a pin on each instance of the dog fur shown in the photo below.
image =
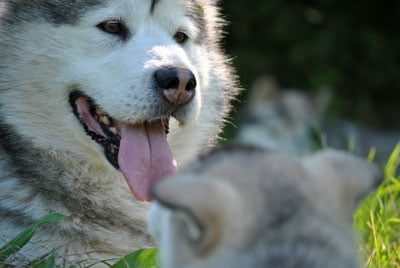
(47, 161)
(244, 207)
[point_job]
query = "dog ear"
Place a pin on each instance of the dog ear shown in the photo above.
(353, 176)
(199, 203)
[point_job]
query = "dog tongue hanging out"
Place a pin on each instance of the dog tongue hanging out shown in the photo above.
(140, 151)
(99, 100)
(144, 157)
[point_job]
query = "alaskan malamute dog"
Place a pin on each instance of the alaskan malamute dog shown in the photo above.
(244, 207)
(99, 99)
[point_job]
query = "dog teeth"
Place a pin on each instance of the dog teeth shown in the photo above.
(105, 120)
(165, 124)
(99, 111)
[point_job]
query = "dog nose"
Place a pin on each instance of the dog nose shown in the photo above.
(178, 85)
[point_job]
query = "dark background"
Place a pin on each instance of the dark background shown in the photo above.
(353, 47)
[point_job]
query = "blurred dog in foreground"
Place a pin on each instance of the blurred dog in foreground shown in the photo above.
(244, 207)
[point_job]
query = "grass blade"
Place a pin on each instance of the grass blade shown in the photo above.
(378, 219)
(23, 238)
(143, 258)
(47, 262)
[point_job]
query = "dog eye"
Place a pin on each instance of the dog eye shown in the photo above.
(114, 27)
(181, 37)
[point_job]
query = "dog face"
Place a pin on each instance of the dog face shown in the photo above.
(246, 208)
(104, 81)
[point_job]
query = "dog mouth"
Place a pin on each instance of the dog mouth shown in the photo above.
(140, 151)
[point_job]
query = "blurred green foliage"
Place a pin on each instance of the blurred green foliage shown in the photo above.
(351, 46)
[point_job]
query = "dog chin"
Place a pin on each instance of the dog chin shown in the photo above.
(186, 115)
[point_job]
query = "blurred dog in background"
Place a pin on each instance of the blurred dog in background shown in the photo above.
(293, 121)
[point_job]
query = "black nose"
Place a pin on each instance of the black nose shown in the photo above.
(178, 85)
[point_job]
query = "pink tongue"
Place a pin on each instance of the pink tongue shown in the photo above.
(144, 157)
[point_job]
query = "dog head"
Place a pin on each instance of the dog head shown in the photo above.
(105, 81)
(248, 208)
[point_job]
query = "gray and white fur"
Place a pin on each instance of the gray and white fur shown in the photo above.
(48, 163)
(244, 207)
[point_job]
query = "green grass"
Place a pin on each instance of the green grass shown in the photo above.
(378, 220)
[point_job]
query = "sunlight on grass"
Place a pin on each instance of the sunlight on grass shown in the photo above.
(378, 220)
